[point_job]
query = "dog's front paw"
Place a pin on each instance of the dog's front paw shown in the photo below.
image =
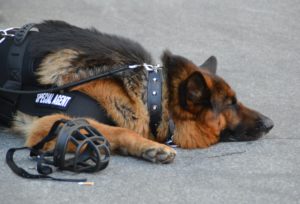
(159, 154)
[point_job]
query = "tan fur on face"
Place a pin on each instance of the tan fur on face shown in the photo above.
(199, 133)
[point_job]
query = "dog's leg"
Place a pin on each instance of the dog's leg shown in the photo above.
(122, 140)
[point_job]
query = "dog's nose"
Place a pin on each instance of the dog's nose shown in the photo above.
(268, 124)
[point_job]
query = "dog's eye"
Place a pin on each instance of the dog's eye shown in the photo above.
(233, 101)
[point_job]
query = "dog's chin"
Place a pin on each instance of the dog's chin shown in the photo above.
(242, 134)
(229, 136)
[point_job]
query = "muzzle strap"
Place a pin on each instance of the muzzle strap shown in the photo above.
(21, 172)
(51, 135)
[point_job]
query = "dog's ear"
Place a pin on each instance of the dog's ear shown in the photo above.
(173, 63)
(210, 65)
(194, 89)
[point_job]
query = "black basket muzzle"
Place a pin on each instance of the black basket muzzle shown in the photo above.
(79, 148)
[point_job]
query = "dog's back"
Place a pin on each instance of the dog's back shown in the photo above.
(86, 49)
(95, 48)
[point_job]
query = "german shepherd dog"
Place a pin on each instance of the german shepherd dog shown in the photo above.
(204, 108)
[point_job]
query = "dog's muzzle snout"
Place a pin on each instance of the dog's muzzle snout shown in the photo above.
(267, 124)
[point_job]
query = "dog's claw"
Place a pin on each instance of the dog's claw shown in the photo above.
(162, 155)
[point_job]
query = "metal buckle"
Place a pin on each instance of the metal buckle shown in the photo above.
(148, 67)
(4, 33)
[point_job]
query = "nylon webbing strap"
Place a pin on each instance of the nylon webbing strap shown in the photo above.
(14, 51)
(16, 57)
(21, 172)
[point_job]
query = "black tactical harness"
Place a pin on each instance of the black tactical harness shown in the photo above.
(17, 77)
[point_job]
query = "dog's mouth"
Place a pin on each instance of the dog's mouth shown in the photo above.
(231, 136)
(242, 133)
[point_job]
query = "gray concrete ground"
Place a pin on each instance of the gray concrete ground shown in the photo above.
(257, 44)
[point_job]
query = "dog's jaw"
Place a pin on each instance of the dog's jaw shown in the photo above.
(188, 134)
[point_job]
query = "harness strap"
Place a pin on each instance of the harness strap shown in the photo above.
(51, 135)
(16, 57)
(74, 103)
(154, 91)
(14, 51)
(169, 140)
(21, 35)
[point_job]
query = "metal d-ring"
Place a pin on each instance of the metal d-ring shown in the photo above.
(4, 33)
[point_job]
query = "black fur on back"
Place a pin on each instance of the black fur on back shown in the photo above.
(97, 48)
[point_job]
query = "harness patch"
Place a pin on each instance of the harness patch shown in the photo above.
(53, 100)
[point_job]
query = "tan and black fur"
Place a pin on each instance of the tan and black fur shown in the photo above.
(202, 105)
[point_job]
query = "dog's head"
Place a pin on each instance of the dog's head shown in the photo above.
(205, 108)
